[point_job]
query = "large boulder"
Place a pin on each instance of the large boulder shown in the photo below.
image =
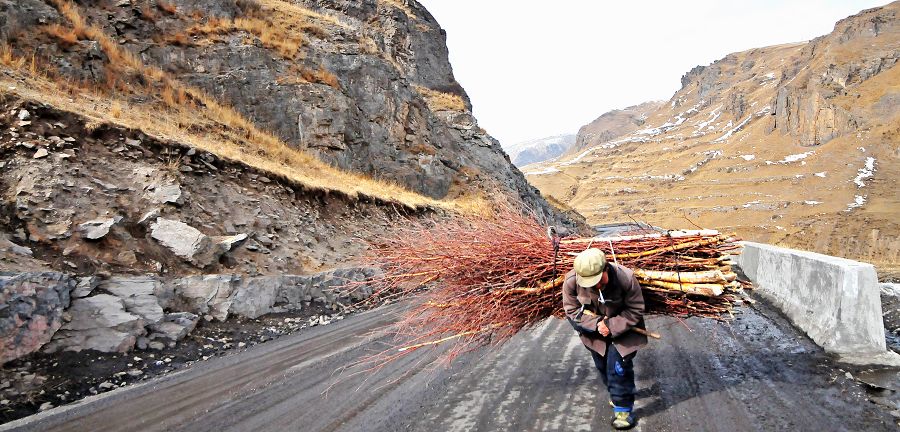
(174, 327)
(138, 294)
(99, 323)
(184, 241)
(31, 309)
(97, 228)
(192, 245)
(165, 194)
(205, 295)
(257, 296)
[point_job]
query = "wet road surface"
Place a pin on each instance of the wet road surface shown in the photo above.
(756, 373)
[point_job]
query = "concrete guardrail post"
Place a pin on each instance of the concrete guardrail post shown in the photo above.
(836, 301)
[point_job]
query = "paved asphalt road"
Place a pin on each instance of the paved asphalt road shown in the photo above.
(757, 373)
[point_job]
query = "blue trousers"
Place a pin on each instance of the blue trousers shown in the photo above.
(618, 376)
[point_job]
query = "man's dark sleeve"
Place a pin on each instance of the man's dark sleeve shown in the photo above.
(632, 311)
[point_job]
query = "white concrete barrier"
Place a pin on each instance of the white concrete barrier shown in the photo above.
(836, 301)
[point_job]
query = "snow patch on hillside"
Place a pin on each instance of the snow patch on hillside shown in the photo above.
(713, 116)
(710, 155)
(539, 150)
(858, 202)
(865, 172)
(792, 158)
(606, 145)
(733, 130)
(671, 124)
(663, 127)
(579, 157)
(544, 171)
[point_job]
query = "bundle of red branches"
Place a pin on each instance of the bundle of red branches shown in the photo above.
(476, 282)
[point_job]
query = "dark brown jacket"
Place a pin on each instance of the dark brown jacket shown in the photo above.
(624, 309)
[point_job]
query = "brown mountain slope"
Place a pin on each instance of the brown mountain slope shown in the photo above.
(794, 144)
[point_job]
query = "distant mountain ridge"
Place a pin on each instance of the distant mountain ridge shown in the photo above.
(539, 150)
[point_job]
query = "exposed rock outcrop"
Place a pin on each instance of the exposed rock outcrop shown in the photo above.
(121, 312)
(99, 323)
(828, 67)
(205, 295)
(293, 231)
(138, 294)
(31, 311)
(174, 327)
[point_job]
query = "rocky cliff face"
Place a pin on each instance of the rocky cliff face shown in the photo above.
(792, 143)
(805, 105)
(364, 85)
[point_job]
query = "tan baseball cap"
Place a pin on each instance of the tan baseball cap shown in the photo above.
(589, 266)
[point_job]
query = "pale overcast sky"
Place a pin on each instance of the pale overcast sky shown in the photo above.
(541, 68)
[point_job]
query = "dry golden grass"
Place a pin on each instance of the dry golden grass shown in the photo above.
(279, 24)
(119, 57)
(219, 130)
(321, 76)
(174, 97)
(8, 59)
(66, 37)
(291, 14)
(368, 46)
(420, 148)
(178, 39)
(304, 75)
(149, 14)
(286, 44)
(402, 5)
(439, 101)
(115, 110)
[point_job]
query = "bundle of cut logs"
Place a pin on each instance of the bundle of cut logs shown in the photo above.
(477, 282)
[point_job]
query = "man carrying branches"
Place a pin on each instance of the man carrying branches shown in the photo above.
(603, 302)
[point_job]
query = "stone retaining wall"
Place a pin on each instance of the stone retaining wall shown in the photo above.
(121, 312)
